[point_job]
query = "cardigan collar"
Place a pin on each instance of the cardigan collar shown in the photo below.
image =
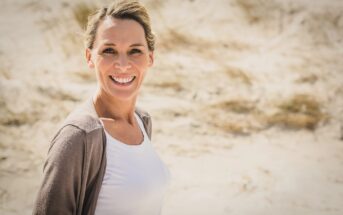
(91, 121)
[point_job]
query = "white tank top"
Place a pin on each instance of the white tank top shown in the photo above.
(135, 179)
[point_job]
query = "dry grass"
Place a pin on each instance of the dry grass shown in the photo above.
(181, 41)
(71, 43)
(302, 104)
(4, 73)
(233, 116)
(41, 104)
(84, 76)
(311, 79)
(172, 39)
(237, 128)
(236, 106)
(236, 45)
(298, 112)
(57, 94)
(60, 28)
(173, 85)
(258, 10)
(81, 11)
(294, 120)
(35, 6)
(173, 113)
(238, 74)
(324, 27)
(242, 117)
(237, 124)
(49, 23)
(10, 117)
(248, 8)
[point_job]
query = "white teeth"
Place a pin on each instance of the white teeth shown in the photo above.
(123, 80)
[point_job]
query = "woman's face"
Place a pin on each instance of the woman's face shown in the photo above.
(120, 57)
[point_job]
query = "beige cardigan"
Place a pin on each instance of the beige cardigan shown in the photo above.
(76, 163)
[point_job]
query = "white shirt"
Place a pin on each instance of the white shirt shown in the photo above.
(135, 179)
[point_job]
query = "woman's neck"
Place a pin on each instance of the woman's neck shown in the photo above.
(110, 108)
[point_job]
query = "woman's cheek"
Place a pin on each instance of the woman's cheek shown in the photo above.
(141, 61)
(105, 63)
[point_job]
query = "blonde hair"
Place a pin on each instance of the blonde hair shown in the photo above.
(120, 9)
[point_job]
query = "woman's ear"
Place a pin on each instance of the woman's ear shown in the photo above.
(151, 58)
(89, 58)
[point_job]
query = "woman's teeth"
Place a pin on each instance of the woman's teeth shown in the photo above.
(123, 80)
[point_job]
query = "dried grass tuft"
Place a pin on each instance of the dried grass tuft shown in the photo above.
(11, 117)
(4, 73)
(173, 85)
(236, 106)
(173, 38)
(81, 12)
(298, 112)
(84, 76)
(16, 119)
(57, 94)
(241, 116)
(260, 10)
(312, 78)
(302, 104)
(237, 128)
(238, 74)
(233, 116)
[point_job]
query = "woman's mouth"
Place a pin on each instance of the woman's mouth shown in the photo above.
(122, 80)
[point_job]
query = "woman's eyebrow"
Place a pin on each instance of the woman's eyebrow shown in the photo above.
(136, 44)
(109, 44)
(133, 45)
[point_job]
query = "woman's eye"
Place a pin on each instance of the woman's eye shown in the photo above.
(108, 51)
(135, 51)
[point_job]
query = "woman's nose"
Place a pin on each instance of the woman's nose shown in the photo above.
(122, 64)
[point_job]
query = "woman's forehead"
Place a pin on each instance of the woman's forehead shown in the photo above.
(120, 30)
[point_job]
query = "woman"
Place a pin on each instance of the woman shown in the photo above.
(101, 160)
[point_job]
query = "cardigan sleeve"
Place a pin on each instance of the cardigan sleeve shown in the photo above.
(62, 174)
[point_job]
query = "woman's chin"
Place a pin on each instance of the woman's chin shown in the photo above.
(123, 96)
(124, 92)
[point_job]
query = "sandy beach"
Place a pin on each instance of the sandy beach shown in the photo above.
(246, 98)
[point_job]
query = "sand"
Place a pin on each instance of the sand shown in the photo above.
(246, 98)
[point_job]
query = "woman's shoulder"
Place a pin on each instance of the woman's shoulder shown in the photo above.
(77, 126)
(80, 122)
(76, 134)
(84, 117)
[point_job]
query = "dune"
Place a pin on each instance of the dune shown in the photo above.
(246, 98)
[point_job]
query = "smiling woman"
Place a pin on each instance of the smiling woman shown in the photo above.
(119, 59)
(101, 160)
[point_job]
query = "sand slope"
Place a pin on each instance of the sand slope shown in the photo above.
(246, 98)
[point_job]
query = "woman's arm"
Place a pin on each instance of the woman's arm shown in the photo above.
(60, 190)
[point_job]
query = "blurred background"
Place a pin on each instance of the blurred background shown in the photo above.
(246, 98)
